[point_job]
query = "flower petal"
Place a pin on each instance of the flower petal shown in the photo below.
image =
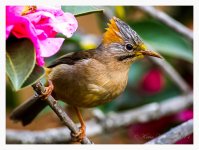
(50, 46)
(14, 10)
(40, 60)
(8, 30)
(55, 10)
(67, 24)
(41, 27)
(64, 23)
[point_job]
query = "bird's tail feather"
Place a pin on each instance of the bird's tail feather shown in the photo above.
(27, 111)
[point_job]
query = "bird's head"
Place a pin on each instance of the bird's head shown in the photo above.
(124, 43)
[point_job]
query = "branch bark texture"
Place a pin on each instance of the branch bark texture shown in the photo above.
(104, 123)
(38, 87)
(174, 134)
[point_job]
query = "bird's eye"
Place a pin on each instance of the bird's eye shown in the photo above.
(129, 46)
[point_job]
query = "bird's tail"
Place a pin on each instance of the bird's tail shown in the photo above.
(27, 111)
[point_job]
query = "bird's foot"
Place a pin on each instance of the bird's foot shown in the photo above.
(48, 90)
(79, 136)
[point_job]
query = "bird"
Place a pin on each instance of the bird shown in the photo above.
(90, 78)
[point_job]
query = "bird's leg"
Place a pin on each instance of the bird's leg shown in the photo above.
(82, 130)
(48, 90)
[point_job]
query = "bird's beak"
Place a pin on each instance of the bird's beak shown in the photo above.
(150, 53)
(144, 51)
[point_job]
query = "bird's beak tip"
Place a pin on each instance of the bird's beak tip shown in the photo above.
(151, 53)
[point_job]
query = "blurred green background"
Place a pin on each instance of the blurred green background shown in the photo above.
(147, 82)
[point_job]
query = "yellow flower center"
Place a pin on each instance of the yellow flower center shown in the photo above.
(28, 9)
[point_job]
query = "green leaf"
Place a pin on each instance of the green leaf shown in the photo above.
(81, 10)
(37, 73)
(164, 40)
(20, 61)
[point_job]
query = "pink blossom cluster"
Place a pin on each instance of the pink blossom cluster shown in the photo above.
(40, 25)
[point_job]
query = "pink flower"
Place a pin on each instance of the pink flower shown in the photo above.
(153, 81)
(184, 115)
(40, 25)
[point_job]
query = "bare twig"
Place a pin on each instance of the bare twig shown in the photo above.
(38, 87)
(174, 134)
(150, 111)
(104, 123)
(175, 25)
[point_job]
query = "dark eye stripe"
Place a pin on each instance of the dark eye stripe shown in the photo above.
(121, 58)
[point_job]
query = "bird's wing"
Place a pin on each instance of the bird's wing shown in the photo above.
(72, 58)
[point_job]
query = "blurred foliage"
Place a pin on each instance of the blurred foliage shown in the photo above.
(120, 12)
(81, 10)
(20, 63)
(11, 98)
(163, 39)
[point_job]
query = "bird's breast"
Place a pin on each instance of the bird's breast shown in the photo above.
(87, 85)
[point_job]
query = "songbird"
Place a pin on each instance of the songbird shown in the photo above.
(90, 78)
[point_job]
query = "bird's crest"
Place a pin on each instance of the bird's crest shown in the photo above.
(112, 33)
(119, 32)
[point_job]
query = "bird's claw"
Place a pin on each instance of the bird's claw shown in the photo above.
(79, 136)
(48, 90)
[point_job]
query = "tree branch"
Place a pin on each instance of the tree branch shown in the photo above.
(104, 123)
(174, 134)
(170, 22)
(39, 88)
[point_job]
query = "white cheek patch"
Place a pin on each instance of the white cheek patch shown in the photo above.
(116, 48)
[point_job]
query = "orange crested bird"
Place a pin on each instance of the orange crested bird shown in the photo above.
(90, 78)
